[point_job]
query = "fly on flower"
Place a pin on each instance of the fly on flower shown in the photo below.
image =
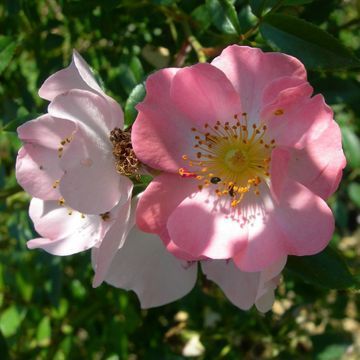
(263, 154)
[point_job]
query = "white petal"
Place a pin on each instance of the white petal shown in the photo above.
(240, 287)
(114, 239)
(144, 266)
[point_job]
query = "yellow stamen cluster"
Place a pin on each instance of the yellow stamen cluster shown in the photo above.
(235, 158)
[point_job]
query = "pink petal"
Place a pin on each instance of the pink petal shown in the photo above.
(86, 110)
(301, 122)
(78, 75)
(64, 234)
(319, 164)
(266, 239)
(303, 216)
(114, 239)
(37, 169)
(168, 131)
(269, 280)
(202, 225)
(144, 266)
(37, 164)
(250, 70)
(239, 287)
(46, 131)
(265, 302)
(92, 185)
(204, 94)
(89, 155)
(160, 199)
(273, 90)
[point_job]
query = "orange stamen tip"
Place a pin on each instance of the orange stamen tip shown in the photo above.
(279, 112)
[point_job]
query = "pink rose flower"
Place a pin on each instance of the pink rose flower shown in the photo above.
(144, 265)
(247, 159)
(67, 164)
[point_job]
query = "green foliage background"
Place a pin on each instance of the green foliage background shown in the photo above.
(48, 309)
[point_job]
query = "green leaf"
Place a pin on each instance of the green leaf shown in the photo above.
(11, 319)
(352, 147)
(259, 6)
(12, 125)
(326, 269)
(136, 95)
(354, 193)
(341, 214)
(202, 17)
(316, 48)
(297, 2)
(330, 345)
(224, 16)
(136, 68)
(43, 332)
(7, 50)
(4, 351)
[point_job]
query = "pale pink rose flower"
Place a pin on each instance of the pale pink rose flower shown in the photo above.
(247, 159)
(67, 165)
(144, 265)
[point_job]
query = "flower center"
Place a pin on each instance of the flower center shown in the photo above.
(125, 159)
(234, 158)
